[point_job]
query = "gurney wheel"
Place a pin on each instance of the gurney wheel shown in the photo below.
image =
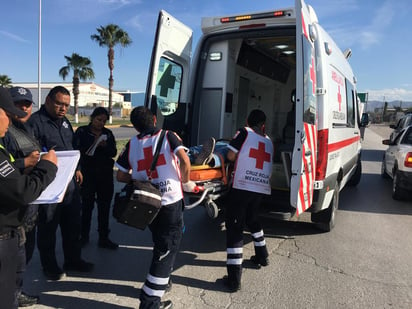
(211, 209)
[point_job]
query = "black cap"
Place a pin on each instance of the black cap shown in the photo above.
(21, 94)
(6, 103)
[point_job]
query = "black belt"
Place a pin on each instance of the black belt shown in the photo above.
(7, 235)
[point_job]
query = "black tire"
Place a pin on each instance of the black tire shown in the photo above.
(356, 177)
(384, 174)
(398, 193)
(325, 220)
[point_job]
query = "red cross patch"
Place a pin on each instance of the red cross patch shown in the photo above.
(146, 162)
(260, 155)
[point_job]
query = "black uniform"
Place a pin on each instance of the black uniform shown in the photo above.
(16, 192)
(57, 133)
(97, 170)
(19, 142)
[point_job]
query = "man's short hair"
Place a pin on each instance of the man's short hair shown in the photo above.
(142, 118)
(58, 89)
(256, 117)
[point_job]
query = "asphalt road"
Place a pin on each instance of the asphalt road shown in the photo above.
(363, 263)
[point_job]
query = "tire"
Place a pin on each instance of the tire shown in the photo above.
(356, 177)
(384, 174)
(325, 220)
(398, 193)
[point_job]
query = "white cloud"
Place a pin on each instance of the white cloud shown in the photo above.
(395, 94)
(13, 36)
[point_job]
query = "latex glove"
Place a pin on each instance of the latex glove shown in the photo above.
(191, 187)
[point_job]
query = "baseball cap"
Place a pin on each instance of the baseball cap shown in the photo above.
(6, 103)
(21, 94)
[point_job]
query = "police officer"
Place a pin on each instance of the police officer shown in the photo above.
(252, 150)
(17, 190)
(173, 167)
(26, 151)
(53, 130)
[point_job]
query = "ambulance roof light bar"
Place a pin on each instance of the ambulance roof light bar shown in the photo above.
(272, 14)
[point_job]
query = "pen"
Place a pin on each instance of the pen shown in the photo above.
(44, 148)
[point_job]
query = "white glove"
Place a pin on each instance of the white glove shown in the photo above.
(191, 187)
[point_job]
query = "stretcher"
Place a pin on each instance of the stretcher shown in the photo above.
(214, 180)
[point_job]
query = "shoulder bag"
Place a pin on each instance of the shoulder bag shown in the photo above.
(139, 202)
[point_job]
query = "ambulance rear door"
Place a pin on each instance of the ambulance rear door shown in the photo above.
(168, 78)
(304, 154)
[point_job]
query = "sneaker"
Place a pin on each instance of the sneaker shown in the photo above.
(259, 261)
(25, 300)
(167, 304)
(79, 266)
(54, 274)
(206, 154)
(106, 243)
(231, 285)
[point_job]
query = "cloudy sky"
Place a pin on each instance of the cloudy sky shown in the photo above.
(377, 31)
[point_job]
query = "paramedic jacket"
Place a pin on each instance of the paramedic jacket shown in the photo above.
(18, 190)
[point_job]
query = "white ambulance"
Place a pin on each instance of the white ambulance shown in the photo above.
(284, 63)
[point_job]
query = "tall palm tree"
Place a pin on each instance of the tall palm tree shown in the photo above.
(5, 81)
(82, 70)
(109, 36)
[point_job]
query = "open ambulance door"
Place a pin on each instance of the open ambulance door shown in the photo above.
(168, 78)
(304, 153)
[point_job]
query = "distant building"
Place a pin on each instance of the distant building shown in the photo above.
(135, 97)
(91, 95)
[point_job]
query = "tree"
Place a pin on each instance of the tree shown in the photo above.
(5, 81)
(82, 70)
(110, 36)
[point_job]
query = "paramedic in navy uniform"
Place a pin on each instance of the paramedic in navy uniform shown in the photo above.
(53, 130)
(252, 151)
(171, 174)
(17, 190)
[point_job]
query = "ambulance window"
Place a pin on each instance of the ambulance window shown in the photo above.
(168, 84)
(309, 80)
(350, 102)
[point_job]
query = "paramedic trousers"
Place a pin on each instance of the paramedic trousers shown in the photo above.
(97, 187)
(167, 230)
(242, 210)
(8, 267)
(67, 215)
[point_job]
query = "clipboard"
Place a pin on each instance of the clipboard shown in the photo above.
(66, 166)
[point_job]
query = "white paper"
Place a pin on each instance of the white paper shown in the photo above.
(66, 167)
(92, 148)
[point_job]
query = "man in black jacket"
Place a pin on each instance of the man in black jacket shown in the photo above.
(17, 190)
(52, 129)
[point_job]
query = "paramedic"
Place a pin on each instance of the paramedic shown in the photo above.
(53, 130)
(171, 174)
(17, 190)
(252, 150)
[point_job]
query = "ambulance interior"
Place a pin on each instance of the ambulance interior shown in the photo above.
(246, 73)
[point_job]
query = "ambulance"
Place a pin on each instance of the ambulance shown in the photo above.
(284, 63)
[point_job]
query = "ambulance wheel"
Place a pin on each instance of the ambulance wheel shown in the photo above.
(356, 177)
(325, 219)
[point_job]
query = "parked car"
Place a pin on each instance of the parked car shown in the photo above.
(397, 163)
(403, 122)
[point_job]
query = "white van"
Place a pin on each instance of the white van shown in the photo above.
(272, 61)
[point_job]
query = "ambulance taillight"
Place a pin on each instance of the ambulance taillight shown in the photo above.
(236, 18)
(322, 160)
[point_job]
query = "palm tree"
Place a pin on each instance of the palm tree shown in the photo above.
(5, 81)
(110, 36)
(82, 70)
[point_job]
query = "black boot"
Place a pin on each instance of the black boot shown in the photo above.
(105, 242)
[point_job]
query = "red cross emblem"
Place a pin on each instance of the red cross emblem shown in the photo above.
(313, 76)
(339, 99)
(146, 162)
(260, 155)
